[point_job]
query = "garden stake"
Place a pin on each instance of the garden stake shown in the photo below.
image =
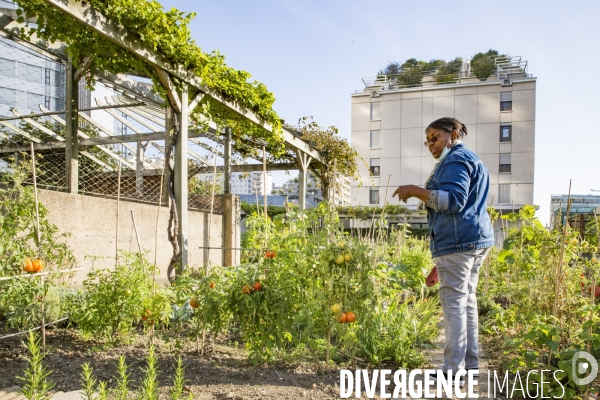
(597, 228)
(589, 343)
(382, 216)
(265, 182)
(39, 243)
(562, 253)
(137, 236)
(117, 226)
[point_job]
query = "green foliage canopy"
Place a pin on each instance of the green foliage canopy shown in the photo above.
(167, 33)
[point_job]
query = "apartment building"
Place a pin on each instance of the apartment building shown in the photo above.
(244, 182)
(389, 121)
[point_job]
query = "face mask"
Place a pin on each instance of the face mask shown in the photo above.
(444, 154)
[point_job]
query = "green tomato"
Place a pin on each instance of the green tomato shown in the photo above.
(339, 259)
(262, 277)
(336, 308)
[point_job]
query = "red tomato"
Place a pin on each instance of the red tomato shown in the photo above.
(350, 317)
(246, 289)
(257, 286)
(341, 318)
(212, 285)
(194, 303)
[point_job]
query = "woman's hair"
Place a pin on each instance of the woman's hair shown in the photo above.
(449, 124)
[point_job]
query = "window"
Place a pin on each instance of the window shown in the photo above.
(374, 196)
(504, 193)
(375, 111)
(506, 101)
(29, 73)
(505, 162)
(375, 166)
(506, 133)
(8, 97)
(7, 68)
(33, 101)
(58, 78)
(375, 139)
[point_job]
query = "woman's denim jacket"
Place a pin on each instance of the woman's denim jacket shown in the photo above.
(460, 221)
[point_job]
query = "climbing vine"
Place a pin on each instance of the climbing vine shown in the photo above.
(332, 147)
(169, 34)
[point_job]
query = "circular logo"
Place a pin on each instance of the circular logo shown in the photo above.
(581, 368)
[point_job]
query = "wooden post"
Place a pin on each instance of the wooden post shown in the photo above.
(118, 216)
(71, 139)
(303, 160)
(265, 181)
(181, 178)
(169, 115)
(227, 162)
(139, 167)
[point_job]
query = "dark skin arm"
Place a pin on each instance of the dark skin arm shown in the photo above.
(405, 192)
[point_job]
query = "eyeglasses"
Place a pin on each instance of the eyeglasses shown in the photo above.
(432, 140)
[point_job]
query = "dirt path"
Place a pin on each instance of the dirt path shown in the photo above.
(223, 373)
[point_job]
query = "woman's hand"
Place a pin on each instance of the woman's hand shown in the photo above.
(405, 192)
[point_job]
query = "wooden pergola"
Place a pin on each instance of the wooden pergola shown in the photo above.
(139, 102)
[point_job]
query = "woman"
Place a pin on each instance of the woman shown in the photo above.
(461, 234)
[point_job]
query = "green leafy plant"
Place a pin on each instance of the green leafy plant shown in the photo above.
(179, 382)
(483, 65)
(116, 299)
(149, 387)
(122, 379)
(89, 381)
(36, 379)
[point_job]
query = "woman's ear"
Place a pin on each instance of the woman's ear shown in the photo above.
(453, 136)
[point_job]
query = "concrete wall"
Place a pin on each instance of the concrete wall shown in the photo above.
(91, 221)
(404, 115)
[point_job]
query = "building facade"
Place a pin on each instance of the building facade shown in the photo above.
(389, 121)
(584, 207)
(244, 182)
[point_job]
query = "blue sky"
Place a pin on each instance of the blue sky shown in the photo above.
(313, 54)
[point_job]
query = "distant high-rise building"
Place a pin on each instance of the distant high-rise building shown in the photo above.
(244, 182)
(389, 120)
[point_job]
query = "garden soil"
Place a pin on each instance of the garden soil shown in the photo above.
(223, 372)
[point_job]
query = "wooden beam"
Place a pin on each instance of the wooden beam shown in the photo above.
(136, 117)
(83, 68)
(196, 100)
(254, 168)
(131, 85)
(170, 89)
(119, 101)
(83, 13)
(121, 80)
(296, 143)
(20, 132)
(36, 146)
(110, 134)
(109, 152)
